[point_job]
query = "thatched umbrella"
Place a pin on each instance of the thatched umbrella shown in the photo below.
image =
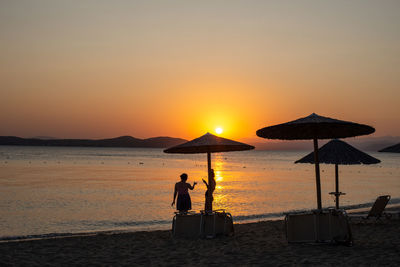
(339, 152)
(315, 127)
(208, 143)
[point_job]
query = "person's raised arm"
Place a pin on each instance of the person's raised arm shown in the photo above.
(192, 187)
(204, 181)
(175, 190)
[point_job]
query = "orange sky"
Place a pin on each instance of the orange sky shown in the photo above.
(102, 69)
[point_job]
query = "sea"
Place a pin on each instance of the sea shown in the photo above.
(58, 191)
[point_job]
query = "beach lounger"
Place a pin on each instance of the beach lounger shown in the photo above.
(187, 225)
(319, 226)
(218, 222)
(377, 209)
(202, 225)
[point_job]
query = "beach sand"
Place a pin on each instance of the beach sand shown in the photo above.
(261, 243)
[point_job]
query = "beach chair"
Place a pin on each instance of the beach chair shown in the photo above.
(378, 207)
(376, 211)
(217, 222)
(187, 225)
(202, 225)
(319, 226)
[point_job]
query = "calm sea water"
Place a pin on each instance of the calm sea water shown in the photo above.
(59, 190)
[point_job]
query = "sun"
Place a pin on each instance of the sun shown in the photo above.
(219, 130)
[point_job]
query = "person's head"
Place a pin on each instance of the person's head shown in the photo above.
(184, 177)
(212, 174)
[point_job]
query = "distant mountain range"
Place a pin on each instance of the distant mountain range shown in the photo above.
(122, 141)
(363, 143)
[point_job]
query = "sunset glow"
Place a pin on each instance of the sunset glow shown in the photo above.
(177, 125)
(181, 70)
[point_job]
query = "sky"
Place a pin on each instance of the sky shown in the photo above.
(100, 69)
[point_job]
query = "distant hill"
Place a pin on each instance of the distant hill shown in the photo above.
(392, 149)
(122, 141)
(43, 137)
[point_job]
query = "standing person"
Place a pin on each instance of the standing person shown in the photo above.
(181, 188)
(210, 191)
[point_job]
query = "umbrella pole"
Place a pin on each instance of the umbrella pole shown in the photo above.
(208, 165)
(337, 185)
(208, 204)
(317, 176)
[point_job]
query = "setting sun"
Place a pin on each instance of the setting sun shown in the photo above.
(219, 130)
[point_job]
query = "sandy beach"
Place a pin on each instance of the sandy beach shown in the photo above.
(262, 243)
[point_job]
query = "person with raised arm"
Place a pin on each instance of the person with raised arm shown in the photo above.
(184, 203)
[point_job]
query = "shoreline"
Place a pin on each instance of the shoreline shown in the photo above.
(354, 209)
(260, 243)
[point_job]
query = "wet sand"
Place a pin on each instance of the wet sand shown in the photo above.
(261, 243)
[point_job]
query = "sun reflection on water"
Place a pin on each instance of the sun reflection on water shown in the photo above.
(218, 176)
(220, 193)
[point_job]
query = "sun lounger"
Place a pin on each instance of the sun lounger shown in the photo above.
(378, 207)
(202, 225)
(376, 211)
(319, 226)
(187, 225)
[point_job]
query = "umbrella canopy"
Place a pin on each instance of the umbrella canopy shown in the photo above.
(339, 152)
(391, 149)
(315, 127)
(208, 143)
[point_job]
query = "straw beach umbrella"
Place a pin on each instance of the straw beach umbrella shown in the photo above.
(315, 127)
(391, 149)
(339, 152)
(208, 143)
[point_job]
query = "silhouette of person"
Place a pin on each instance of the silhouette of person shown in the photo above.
(184, 202)
(210, 191)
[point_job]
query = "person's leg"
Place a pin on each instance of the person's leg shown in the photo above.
(189, 203)
(179, 203)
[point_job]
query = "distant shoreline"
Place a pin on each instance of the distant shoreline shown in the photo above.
(367, 144)
(122, 141)
(359, 209)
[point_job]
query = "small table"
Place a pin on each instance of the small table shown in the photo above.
(337, 195)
